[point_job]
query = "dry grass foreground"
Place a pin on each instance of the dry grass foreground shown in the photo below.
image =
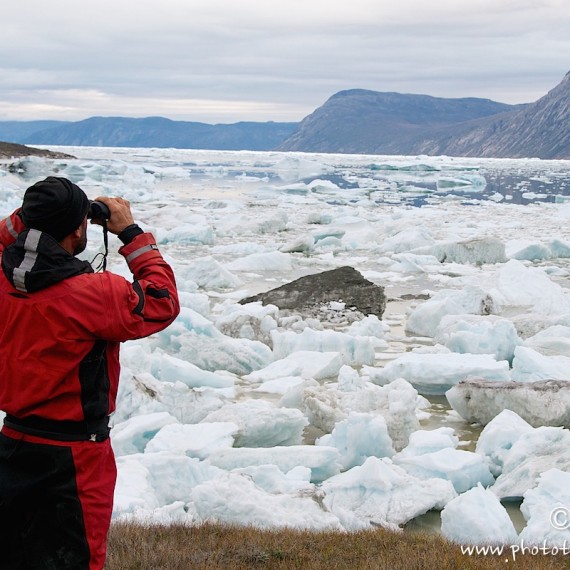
(210, 546)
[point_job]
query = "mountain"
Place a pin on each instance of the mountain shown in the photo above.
(18, 131)
(370, 122)
(541, 129)
(352, 121)
(161, 133)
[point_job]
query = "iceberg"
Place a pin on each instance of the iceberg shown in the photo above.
(436, 373)
(381, 494)
(477, 517)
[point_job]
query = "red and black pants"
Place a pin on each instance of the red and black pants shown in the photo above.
(56, 499)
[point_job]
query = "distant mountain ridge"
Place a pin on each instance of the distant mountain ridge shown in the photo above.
(370, 122)
(352, 121)
(157, 132)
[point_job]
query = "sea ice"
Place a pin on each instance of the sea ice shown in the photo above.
(209, 274)
(429, 441)
(545, 508)
(476, 334)
(193, 440)
(463, 468)
(324, 462)
(261, 424)
(476, 251)
(551, 341)
(304, 363)
(426, 317)
(235, 499)
(477, 517)
(530, 366)
(381, 494)
(540, 403)
(272, 261)
(331, 403)
(151, 480)
(355, 350)
(358, 437)
(498, 437)
(171, 369)
(132, 435)
(436, 373)
(533, 453)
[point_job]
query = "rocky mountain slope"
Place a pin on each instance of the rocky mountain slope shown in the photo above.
(370, 122)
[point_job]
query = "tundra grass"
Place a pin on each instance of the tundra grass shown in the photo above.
(209, 546)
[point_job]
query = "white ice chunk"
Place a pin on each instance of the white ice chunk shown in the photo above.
(476, 251)
(132, 435)
(370, 326)
(530, 366)
(533, 453)
(197, 340)
(271, 479)
(545, 507)
(171, 369)
(237, 500)
(358, 437)
(272, 261)
(414, 263)
(354, 350)
(545, 402)
(437, 373)
(261, 424)
(304, 363)
(379, 493)
(194, 440)
(426, 317)
(194, 229)
(407, 240)
(522, 286)
(478, 334)
(526, 249)
(152, 480)
(253, 321)
(429, 441)
(324, 462)
(463, 468)
(397, 403)
(477, 517)
(498, 437)
(143, 394)
(551, 341)
(210, 274)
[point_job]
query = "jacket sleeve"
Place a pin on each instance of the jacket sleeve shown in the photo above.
(10, 228)
(145, 306)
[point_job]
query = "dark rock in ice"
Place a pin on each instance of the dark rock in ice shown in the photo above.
(311, 292)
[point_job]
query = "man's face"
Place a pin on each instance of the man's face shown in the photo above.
(82, 242)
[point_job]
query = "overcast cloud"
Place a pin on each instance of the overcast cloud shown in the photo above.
(230, 60)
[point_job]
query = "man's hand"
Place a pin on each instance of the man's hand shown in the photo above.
(121, 215)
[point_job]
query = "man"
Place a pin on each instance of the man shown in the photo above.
(60, 329)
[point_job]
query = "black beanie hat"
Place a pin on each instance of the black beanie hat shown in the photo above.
(55, 206)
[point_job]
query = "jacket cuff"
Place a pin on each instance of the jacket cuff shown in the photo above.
(130, 233)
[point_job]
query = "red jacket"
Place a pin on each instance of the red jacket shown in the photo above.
(61, 325)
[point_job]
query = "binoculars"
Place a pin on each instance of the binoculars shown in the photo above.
(98, 211)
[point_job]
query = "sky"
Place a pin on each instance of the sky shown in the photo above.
(223, 61)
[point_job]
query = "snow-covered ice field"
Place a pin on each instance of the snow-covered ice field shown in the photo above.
(244, 414)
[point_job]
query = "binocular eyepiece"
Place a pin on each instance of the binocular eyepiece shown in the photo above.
(98, 211)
